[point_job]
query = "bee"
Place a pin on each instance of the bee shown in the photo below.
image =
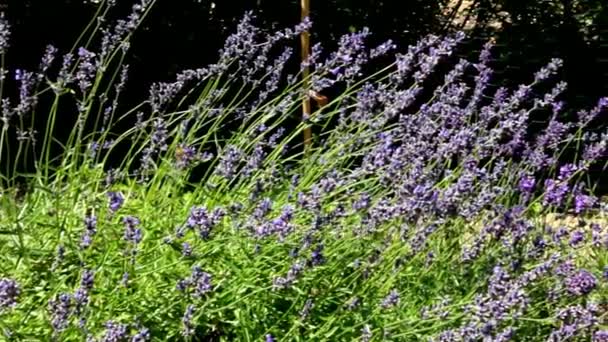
(180, 152)
(184, 155)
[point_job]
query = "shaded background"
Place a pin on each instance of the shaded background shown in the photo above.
(188, 33)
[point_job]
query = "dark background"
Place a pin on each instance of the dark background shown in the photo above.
(188, 33)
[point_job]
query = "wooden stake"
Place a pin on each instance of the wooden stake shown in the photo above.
(305, 44)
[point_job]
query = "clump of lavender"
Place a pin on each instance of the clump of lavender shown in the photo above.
(87, 68)
(86, 238)
(9, 293)
(133, 233)
(403, 182)
(575, 321)
(185, 156)
(115, 332)
(142, 335)
(116, 200)
(61, 309)
(186, 249)
(81, 296)
(600, 336)
(316, 257)
(188, 327)
(581, 283)
(292, 275)
(204, 221)
(391, 300)
(229, 162)
(199, 281)
(5, 32)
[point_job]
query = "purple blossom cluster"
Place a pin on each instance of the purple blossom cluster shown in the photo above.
(575, 321)
(581, 283)
(292, 276)
(116, 200)
(391, 300)
(5, 32)
(133, 233)
(188, 326)
(199, 281)
(86, 237)
(203, 221)
(9, 293)
(121, 332)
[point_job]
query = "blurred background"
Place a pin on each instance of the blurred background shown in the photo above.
(188, 33)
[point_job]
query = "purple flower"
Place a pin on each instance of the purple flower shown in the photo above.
(567, 171)
(9, 292)
(583, 202)
(284, 282)
(142, 335)
(115, 332)
(47, 60)
(526, 184)
(269, 338)
(306, 309)
(81, 299)
(187, 324)
(391, 300)
(159, 135)
(186, 249)
(581, 283)
(200, 281)
(363, 202)
(366, 333)
(184, 156)
(549, 70)
(353, 303)
(576, 238)
(229, 162)
(27, 99)
(600, 336)
(88, 277)
(5, 32)
(575, 321)
(116, 200)
(262, 209)
(124, 281)
(555, 192)
(59, 257)
(86, 238)
(317, 257)
(87, 69)
(132, 233)
(60, 309)
(565, 269)
(203, 220)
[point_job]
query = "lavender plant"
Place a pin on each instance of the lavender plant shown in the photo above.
(416, 215)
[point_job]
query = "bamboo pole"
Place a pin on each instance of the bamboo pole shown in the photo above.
(305, 45)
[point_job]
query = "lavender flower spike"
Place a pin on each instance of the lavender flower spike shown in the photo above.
(5, 32)
(581, 283)
(391, 300)
(9, 291)
(132, 233)
(116, 200)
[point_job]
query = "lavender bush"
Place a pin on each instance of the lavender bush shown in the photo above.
(424, 211)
